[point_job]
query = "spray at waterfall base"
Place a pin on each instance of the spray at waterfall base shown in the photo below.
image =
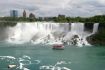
(49, 33)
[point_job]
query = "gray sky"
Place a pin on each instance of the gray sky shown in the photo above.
(54, 7)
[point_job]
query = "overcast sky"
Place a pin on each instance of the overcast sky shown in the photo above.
(54, 7)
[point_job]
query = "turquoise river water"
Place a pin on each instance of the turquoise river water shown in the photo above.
(43, 57)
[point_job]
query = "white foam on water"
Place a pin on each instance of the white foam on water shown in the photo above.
(65, 68)
(37, 61)
(26, 60)
(9, 57)
(21, 65)
(28, 57)
(61, 62)
(56, 66)
(26, 69)
(22, 61)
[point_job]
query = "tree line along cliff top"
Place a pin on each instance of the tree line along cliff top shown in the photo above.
(59, 18)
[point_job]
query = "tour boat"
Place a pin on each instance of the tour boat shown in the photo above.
(58, 46)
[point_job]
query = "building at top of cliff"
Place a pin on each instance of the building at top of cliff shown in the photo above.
(24, 14)
(13, 13)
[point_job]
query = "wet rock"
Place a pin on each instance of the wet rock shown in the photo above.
(76, 36)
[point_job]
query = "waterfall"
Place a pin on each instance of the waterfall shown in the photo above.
(76, 35)
(49, 32)
(95, 28)
(77, 28)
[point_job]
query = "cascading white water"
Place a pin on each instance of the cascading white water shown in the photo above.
(48, 32)
(38, 31)
(76, 35)
(95, 28)
(77, 28)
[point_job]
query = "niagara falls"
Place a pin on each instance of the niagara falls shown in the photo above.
(49, 32)
(52, 35)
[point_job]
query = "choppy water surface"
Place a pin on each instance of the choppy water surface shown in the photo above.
(42, 57)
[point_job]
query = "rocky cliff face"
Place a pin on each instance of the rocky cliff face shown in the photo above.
(89, 27)
(99, 37)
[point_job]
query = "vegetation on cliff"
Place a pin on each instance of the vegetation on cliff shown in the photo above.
(7, 23)
(99, 37)
(64, 19)
(60, 18)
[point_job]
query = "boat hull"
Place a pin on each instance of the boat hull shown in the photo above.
(58, 47)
